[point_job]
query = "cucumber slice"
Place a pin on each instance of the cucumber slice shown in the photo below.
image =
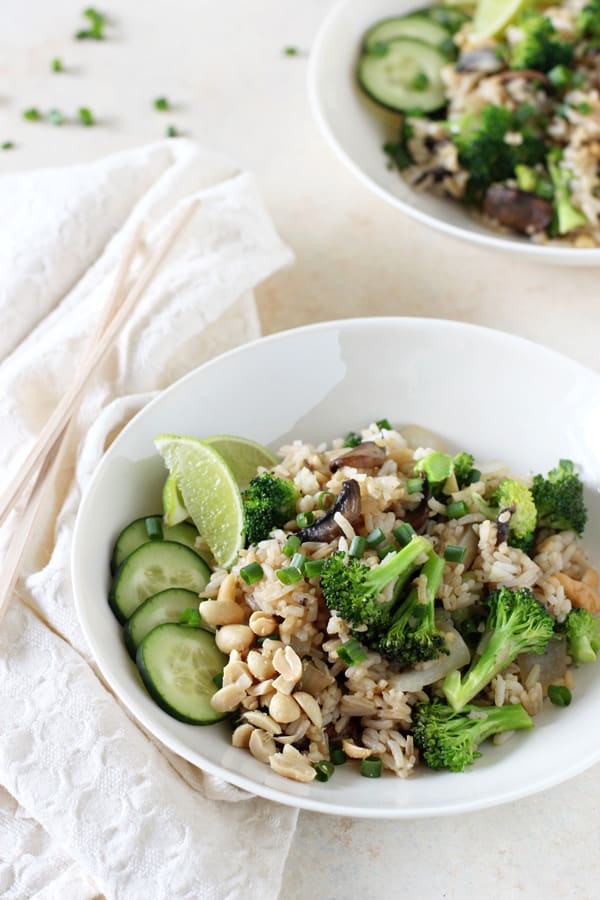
(178, 665)
(390, 79)
(150, 528)
(151, 568)
(166, 606)
(418, 26)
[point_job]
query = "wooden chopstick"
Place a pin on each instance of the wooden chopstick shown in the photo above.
(120, 308)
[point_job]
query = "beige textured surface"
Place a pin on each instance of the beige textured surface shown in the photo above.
(234, 90)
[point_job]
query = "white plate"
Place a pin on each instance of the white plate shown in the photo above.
(356, 128)
(493, 394)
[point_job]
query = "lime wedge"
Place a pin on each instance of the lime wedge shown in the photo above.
(242, 456)
(493, 16)
(174, 511)
(210, 493)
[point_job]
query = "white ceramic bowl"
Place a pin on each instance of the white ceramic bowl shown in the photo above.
(356, 128)
(496, 395)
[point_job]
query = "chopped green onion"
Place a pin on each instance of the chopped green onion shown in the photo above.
(298, 561)
(252, 573)
(86, 116)
(313, 567)
(370, 767)
(191, 617)
(8, 145)
(456, 509)
(474, 475)
(325, 500)
(404, 533)
(171, 131)
(376, 537)
(560, 76)
(382, 552)
(289, 575)
(559, 694)
(420, 82)
(56, 65)
(268, 637)
(290, 51)
(414, 485)
(337, 754)
(161, 103)
(292, 544)
(378, 48)
(96, 30)
(32, 115)
(455, 553)
(584, 108)
(218, 680)
(351, 652)
(304, 519)
(352, 439)
(324, 769)
(383, 423)
(357, 547)
(154, 528)
(55, 117)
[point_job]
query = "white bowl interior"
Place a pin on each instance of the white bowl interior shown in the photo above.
(357, 128)
(496, 395)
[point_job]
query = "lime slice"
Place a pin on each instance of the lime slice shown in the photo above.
(210, 493)
(174, 511)
(242, 456)
(493, 16)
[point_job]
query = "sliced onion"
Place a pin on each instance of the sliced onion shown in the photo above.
(552, 663)
(426, 673)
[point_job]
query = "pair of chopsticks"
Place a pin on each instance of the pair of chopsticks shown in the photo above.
(43, 461)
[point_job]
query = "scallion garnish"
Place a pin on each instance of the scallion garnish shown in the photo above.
(298, 561)
(191, 617)
(559, 695)
(357, 547)
(352, 439)
(325, 500)
(337, 754)
(375, 537)
(414, 485)
(324, 769)
(313, 567)
(172, 131)
(56, 65)
(290, 51)
(32, 115)
(162, 104)
(455, 553)
(370, 767)
(8, 145)
(252, 573)
(55, 117)
(304, 519)
(404, 533)
(96, 30)
(456, 509)
(289, 575)
(351, 652)
(383, 423)
(86, 116)
(154, 527)
(383, 551)
(292, 544)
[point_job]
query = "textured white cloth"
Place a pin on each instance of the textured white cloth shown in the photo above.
(89, 803)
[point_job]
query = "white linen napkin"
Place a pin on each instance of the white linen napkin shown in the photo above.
(89, 803)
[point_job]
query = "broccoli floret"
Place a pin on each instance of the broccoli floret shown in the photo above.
(269, 502)
(587, 22)
(484, 152)
(463, 466)
(566, 216)
(583, 635)
(353, 590)
(518, 499)
(413, 636)
(449, 739)
(539, 49)
(516, 623)
(559, 498)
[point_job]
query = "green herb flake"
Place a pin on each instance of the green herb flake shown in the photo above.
(584, 108)
(8, 145)
(86, 116)
(420, 82)
(95, 32)
(32, 115)
(56, 65)
(291, 51)
(162, 104)
(55, 117)
(172, 131)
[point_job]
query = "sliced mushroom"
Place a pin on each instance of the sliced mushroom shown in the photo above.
(484, 60)
(526, 75)
(519, 210)
(367, 455)
(326, 528)
(418, 517)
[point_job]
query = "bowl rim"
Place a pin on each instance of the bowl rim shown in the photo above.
(583, 255)
(497, 796)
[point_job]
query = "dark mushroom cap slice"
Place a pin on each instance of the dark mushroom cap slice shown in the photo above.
(521, 211)
(484, 60)
(326, 528)
(367, 455)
